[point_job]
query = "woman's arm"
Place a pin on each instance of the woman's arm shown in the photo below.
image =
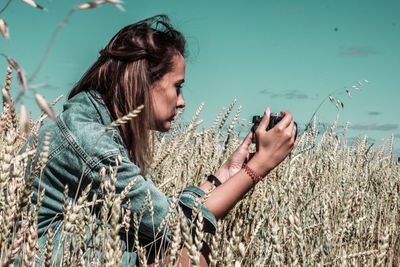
(272, 148)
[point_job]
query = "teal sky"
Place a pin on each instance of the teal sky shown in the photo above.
(278, 53)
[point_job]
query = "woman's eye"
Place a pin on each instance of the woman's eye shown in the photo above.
(178, 89)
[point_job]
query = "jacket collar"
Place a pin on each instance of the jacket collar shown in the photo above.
(100, 106)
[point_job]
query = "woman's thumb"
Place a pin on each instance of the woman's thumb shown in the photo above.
(247, 141)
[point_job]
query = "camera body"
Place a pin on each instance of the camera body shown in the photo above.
(274, 119)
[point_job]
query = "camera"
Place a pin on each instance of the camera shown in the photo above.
(273, 120)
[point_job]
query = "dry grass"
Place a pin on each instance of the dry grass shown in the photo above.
(329, 203)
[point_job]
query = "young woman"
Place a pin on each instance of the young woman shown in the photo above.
(142, 64)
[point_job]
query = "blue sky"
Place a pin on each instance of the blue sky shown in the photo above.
(282, 54)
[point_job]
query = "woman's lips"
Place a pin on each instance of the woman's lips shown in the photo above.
(172, 117)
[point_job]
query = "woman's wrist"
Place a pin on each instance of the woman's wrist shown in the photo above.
(222, 174)
(260, 165)
(214, 180)
(253, 174)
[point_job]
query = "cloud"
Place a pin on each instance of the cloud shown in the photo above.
(265, 92)
(374, 113)
(357, 51)
(293, 94)
(375, 126)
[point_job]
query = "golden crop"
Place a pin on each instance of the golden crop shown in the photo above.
(329, 203)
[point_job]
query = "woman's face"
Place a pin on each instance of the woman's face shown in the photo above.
(166, 95)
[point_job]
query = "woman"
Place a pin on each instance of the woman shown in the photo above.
(142, 64)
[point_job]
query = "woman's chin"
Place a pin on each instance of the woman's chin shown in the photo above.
(165, 127)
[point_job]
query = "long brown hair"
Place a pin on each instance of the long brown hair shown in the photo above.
(136, 57)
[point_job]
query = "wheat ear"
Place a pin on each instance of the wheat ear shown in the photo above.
(125, 119)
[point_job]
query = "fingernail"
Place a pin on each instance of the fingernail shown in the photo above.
(268, 111)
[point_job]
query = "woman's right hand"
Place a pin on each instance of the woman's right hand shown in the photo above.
(274, 145)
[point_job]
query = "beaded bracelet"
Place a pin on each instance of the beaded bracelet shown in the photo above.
(252, 173)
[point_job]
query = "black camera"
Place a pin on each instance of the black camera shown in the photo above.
(273, 120)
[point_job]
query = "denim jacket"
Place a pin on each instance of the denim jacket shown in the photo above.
(73, 135)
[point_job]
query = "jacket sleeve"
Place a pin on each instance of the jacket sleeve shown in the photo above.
(127, 171)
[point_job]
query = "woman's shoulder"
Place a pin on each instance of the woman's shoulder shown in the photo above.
(86, 107)
(82, 127)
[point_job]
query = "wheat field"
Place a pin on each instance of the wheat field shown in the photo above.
(329, 203)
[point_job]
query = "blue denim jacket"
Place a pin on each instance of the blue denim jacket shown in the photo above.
(73, 134)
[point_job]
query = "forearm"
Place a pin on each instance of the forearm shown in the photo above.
(225, 196)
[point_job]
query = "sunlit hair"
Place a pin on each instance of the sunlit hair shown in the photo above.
(136, 57)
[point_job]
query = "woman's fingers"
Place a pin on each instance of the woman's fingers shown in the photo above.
(244, 146)
(292, 132)
(265, 121)
(287, 119)
(249, 156)
(273, 146)
(288, 134)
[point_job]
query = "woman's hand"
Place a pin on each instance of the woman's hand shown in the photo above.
(272, 146)
(236, 160)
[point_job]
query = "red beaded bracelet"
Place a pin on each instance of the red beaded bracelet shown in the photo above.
(252, 173)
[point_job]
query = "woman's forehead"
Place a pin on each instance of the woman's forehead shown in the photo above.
(179, 65)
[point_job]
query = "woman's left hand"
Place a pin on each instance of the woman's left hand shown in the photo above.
(234, 163)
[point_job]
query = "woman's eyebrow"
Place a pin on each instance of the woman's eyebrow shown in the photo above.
(181, 81)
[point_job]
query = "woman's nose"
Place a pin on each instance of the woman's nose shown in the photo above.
(180, 103)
